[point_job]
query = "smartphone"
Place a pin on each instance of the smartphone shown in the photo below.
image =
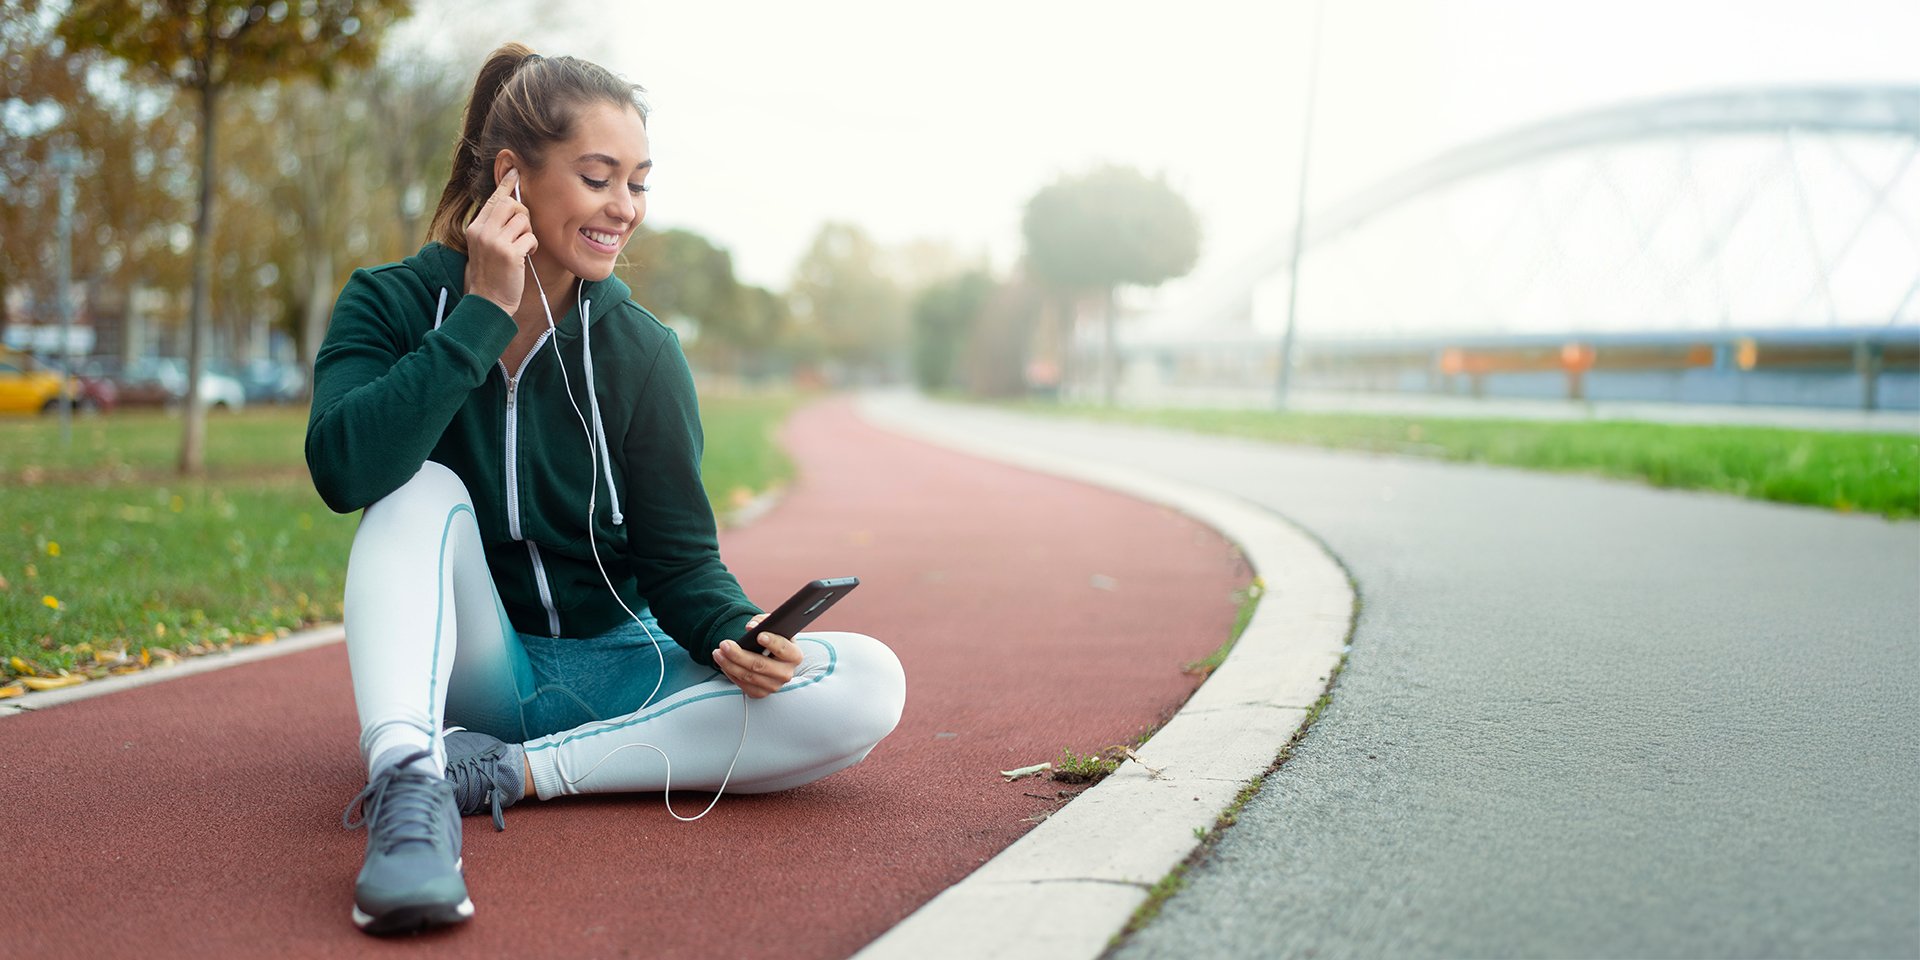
(799, 610)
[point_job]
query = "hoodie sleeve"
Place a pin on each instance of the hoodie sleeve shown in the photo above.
(381, 403)
(676, 548)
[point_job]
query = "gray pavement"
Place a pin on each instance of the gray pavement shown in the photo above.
(1580, 718)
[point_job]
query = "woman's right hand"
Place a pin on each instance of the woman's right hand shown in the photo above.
(499, 240)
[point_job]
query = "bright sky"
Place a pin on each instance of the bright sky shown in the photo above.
(923, 121)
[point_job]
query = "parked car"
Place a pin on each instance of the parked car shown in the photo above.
(30, 384)
(96, 392)
(162, 381)
(269, 381)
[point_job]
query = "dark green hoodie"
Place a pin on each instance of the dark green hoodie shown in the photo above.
(410, 372)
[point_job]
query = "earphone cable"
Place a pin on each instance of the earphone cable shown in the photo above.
(593, 454)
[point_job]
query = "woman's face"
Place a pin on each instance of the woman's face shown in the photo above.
(590, 195)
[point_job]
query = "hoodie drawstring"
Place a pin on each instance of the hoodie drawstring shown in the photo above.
(593, 403)
(593, 399)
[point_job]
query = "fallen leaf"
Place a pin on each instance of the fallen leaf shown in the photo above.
(1018, 772)
(13, 689)
(52, 683)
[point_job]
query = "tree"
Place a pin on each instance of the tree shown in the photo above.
(418, 102)
(764, 321)
(999, 344)
(686, 281)
(120, 220)
(206, 47)
(843, 300)
(943, 321)
(354, 156)
(1111, 226)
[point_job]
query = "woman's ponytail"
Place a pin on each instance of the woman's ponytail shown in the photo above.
(465, 185)
(518, 107)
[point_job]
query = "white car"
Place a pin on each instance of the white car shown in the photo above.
(217, 390)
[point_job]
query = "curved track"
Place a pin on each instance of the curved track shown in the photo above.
(201, 817)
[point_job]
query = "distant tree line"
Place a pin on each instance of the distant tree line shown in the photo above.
(328, 147)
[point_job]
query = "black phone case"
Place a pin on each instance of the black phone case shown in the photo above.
(799, 610)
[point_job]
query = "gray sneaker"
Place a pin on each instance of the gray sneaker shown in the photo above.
(411, 880)
(486, 772)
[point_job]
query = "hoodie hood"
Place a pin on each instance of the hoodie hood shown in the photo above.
(439, 265)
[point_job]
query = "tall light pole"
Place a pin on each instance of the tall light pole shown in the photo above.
(65, 160)
(1282, 384)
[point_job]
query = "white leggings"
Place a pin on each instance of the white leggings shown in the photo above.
(429, 643)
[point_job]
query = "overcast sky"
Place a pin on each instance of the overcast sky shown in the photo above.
(924, 121)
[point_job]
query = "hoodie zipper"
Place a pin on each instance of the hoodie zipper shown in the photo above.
(513, 480)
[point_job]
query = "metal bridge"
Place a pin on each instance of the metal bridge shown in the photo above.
(1757, 246)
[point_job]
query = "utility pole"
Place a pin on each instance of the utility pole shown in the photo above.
(64, 161)
(1282, 385)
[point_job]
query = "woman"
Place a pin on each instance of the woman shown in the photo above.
(526, 443)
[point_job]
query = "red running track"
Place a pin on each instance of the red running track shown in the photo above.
(200, 817)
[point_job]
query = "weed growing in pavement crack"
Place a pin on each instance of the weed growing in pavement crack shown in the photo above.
(1074, 768)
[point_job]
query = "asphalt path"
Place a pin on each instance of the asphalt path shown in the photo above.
(200, 817)
(1580, 718)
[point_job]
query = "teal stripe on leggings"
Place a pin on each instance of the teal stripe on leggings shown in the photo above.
(440, 604)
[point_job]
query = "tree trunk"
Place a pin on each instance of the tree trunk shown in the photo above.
(193, 442)
(1072, 366)
(1109, 361)
(320, 293)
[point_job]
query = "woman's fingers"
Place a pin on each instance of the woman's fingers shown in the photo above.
(781, 649)
(501, 199)
(498, 242)
(503, 191)
(753, 673)
(517, 229)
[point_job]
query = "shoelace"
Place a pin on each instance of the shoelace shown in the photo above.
(469, 774)
(409, 799)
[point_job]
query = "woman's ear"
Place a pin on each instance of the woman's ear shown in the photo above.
(506, 160)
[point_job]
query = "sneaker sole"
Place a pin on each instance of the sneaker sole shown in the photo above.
(416, 919)
(413, 919)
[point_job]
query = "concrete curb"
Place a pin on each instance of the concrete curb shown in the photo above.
(1070, 884)
(294, 643)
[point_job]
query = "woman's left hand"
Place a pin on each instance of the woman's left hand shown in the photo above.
(758, 674)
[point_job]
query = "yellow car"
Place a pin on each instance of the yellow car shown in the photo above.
(27, 387)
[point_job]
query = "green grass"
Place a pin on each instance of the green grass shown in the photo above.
(1865, 472)
(104, 551)
(742, 459)
(1090, 768)
(1249, 602)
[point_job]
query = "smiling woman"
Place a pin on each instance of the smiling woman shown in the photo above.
(538, 564)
